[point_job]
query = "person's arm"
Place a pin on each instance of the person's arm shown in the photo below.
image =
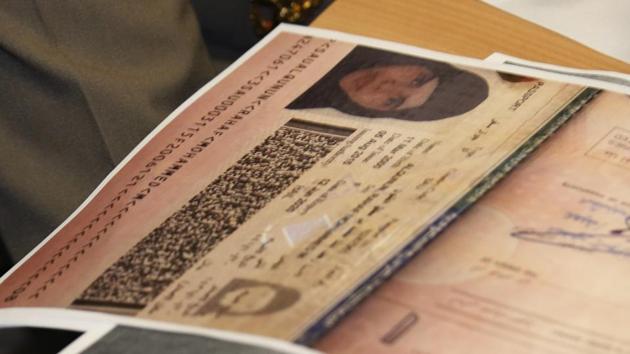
(82, 83)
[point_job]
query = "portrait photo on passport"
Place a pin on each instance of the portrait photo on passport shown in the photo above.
(375, 83)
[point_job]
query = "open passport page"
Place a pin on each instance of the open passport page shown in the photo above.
(285, 191)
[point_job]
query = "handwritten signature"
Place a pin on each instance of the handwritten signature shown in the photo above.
(615, 241)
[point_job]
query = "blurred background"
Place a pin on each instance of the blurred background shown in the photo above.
(231, 27)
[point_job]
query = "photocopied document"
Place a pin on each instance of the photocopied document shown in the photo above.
(291, 186)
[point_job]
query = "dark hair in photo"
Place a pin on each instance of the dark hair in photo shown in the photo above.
(458, 91)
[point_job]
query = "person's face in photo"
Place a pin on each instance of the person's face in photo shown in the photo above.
(390, 88)
(372, 83)
(248, 300)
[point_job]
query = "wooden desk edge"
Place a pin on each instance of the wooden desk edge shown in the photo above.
(464, 27)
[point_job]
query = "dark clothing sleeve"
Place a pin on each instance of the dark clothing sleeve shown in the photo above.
(82, 83)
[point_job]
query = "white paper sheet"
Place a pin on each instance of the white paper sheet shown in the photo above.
(606, 80)
(96, 325)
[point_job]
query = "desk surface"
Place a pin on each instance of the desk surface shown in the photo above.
(464, 27)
